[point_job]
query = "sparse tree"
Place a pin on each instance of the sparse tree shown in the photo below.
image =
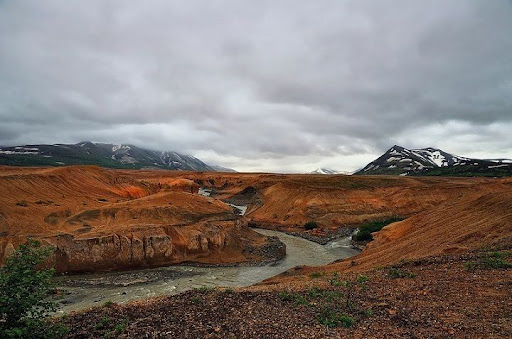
(25, 290)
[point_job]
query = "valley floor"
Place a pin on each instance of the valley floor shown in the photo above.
(459, 295)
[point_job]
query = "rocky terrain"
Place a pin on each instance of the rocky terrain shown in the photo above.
(101, 219)
(436, 297)
(444, 270)
(435, 162)
(150, 218)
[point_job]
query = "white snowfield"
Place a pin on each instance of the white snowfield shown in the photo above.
(323, 170)
(17, 152)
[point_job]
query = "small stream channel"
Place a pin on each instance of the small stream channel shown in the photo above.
(88, 290)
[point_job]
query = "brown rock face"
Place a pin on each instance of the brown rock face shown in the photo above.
(158, 246)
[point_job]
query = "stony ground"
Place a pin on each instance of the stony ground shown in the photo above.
(462, 296)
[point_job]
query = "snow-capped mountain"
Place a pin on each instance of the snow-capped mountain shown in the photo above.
(106, 155)
(323, 170)
(432, 161)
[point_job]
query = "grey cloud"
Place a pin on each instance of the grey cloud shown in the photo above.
(246, 81)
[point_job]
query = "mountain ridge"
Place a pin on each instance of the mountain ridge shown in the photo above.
(122, 156)
(399, 160)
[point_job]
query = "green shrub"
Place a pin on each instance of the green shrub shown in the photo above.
(362, 280)
(470, 265)
(331, 317)
(316, 275)
(365, 231)
(301, 300)
(103, 323)
(25, 292)
(310, 225)
(108, 303)
(120, 328)
(285, 296)
(395, 273)
(494, 263)
(493, 260)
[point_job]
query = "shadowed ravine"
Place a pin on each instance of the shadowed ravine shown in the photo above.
(83, 291)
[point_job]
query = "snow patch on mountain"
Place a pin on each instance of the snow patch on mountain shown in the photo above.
(399, 160)
(323, 170)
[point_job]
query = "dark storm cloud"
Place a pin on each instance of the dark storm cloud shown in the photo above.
(266, 85)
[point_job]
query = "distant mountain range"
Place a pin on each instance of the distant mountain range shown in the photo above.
(222, 169)
(432, 161)
(328, 171)
(105, 155)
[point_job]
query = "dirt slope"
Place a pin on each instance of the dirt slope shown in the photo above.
(455, 226)
(105, 219)
(440, 298)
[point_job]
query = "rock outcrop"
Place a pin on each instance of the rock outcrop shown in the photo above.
(155, 247)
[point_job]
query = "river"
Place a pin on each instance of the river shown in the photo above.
(88, 290)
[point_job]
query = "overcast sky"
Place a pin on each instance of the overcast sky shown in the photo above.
(284, 86)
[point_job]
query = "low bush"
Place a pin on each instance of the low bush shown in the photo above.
(316, 275)
(493, 260)
(331, 317)
(285, 295)
(334, 307)
(395, 273)
(365, 231)
(104, 322)
(120, 328)
(310, 225)
(26, 294)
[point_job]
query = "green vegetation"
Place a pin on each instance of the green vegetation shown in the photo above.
(365, 231)
(310, 225)
(120, 328)
(481, 170)
(301, 300)
(285, 295)
(395, 273)
(316, 275)
(25, 294)
(329, 317)
(109, 303)
(110, 328)
(196, 300)
(103, 323)
(335, 281)
(362, 280)
(490, 260)
(336, 306)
